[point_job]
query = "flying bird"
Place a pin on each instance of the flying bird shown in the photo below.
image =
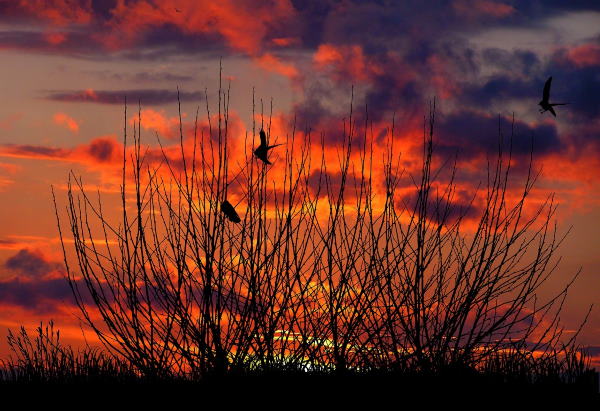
(177, 10)
(262, 151)
(545, 102)
(230, 212)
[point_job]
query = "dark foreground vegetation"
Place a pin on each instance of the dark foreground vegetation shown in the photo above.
(348, 274)
(43, 368)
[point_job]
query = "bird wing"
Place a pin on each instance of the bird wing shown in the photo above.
(547, 86)
(263, 138)
(552, 111)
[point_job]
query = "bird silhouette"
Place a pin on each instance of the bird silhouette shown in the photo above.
(545, 102)
(177, 10)
(230, 212)
(262, 151)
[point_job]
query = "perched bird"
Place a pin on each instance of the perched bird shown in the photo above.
(545, 102)
(262, 151)
(229, 211)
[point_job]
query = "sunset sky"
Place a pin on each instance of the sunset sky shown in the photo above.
(66, 66)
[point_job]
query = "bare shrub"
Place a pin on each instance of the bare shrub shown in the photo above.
(326, 272)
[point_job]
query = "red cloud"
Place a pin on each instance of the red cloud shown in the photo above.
(55, 38)
(444, 84)
(286, 41)
(59, 12)
(244, 24)
(346, 62)
(64, 120)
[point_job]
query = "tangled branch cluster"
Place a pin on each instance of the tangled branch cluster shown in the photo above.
(326, 271)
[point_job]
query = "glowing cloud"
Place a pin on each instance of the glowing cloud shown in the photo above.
(271, 63)
(157, 121)
(64, 120)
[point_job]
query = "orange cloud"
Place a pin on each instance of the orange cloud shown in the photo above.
(154, 120)
(6, 181)
(271, 63)
(104, 155)
(64, 120)
(9, 168)
(475, 8)
(101, 150)
(18, 242)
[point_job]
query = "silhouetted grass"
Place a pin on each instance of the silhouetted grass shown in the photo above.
(42, 358)
(42, 365)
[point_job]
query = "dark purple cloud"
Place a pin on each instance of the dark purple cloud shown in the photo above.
(147, 77)
(34, 287)
(537, 8)
(499, 88)
(37, 151)
(32, 264)
(413, 50)
(470, 134)
(140, 76)
(40, 295)
(415, 31)
(7, 243)
(521, 62)
(102, 149)
(147, 97)
(578, 86)
(430, 42)
(442, 210)
(77, 44)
